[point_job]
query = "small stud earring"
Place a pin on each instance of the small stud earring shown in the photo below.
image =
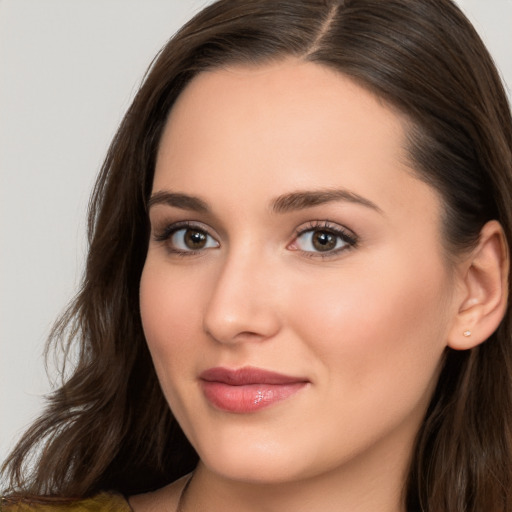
(467, 334)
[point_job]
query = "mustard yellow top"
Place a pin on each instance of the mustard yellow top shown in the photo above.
(103, 502)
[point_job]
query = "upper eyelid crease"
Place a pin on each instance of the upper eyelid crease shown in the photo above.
(175, 226)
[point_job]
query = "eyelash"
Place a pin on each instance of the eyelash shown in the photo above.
(347, 237)
(171, 229)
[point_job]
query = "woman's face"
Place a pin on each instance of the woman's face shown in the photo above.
(290, 237)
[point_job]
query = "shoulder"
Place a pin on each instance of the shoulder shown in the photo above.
(103, 502)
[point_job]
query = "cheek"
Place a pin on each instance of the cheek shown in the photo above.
(378, 340)
(373, 327)
(168, 317)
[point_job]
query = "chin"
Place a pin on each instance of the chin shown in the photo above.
(259, 462)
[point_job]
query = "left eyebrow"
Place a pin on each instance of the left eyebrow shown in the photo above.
(307, 199)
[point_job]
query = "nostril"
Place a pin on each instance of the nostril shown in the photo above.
(248, 335)
(225, 336)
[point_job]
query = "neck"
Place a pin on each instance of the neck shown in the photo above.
(354, 487)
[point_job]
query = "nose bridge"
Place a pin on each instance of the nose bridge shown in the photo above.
(240, 306)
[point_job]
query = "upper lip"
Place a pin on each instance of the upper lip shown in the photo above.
(246, 376)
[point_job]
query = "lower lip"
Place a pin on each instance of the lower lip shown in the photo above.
(250, 397)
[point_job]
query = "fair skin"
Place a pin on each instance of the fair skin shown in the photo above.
(349, 292)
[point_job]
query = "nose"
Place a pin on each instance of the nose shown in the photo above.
(242, 305)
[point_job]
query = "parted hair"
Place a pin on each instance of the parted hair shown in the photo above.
(108, 427)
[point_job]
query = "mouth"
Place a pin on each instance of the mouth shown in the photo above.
(247, 389)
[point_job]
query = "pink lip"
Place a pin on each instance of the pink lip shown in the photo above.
(247, 389)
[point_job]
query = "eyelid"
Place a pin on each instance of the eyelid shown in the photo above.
(345, 234)
(165, 233)
(161, 233)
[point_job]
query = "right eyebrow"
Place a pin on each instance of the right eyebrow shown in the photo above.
(177, 200)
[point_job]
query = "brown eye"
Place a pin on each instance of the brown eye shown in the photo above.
(195, 239)
(323, 240)
(191, 239)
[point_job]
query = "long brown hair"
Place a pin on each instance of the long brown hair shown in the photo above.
(109, 427)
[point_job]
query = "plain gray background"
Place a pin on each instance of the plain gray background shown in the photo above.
(68, 70)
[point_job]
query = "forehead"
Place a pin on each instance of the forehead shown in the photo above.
(285, 101)
(264, 130)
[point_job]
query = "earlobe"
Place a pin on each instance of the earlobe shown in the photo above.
(485, 290)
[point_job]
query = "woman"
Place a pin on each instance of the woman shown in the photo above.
(299, 245)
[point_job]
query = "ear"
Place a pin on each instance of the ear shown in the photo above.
(484, 290)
